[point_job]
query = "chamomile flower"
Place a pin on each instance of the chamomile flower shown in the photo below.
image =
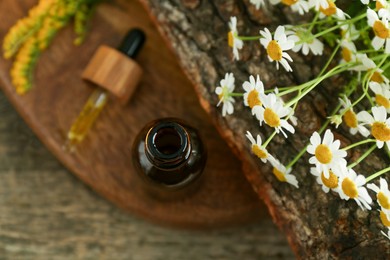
(300, 6)
(365, 2)
(351, 186)
(330, 183)
(233, 40)
(276, 47)
(382, 94)
(327, 154)
(351, 120)
(331, 10)
(381, 31)
(380, 125)
(348, 51)
(283, 174)
(367, 64)
(382, 195)
(224, 92)
(257, 3)
(253, 89)
(272, 113)
(257, 149)
(383, 9)
(307, 42)
(388, 233)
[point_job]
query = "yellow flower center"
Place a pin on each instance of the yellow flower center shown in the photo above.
(382, 101)
(331, 182)
(230, 39)
(346, 54)
(271, 118)
(349, 188)
(289, 2)
(323, 154)
(350, 119)
(259, 152)
(330, 10)
(383, 200)
(384, 219)
(377, 77)
(279, 175)
(378, 5)
(380, 131)
(380, 30)
(253, 99)
(274, 50)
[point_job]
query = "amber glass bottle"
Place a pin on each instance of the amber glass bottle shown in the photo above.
(169, 156)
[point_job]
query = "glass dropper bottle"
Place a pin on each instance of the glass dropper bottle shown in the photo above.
(130, 47)
(169, 157)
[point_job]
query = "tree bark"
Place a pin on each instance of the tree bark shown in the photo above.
(317, 225)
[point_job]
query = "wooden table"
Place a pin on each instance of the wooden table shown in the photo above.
(47, 213)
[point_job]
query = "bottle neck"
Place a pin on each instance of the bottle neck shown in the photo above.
(167, 145)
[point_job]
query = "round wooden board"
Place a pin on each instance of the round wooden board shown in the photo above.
(103, 161)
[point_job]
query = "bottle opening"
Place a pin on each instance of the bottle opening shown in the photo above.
(167, 144)
(168, 141)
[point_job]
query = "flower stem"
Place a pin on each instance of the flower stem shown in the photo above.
(314, 21)
(361, 158)
(330, 59)
(350, 21)
(358, 143)
(377, 174)
(236, 94)
(248, 38)
(288, 90)
(336, 70)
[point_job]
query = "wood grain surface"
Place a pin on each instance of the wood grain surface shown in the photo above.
(103, 160)
(317, 225)
(47, 213)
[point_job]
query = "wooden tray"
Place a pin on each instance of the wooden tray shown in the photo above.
(103, 161)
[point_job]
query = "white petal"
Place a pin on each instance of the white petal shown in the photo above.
(380, 114)
(279, 33)
(360, 180)
(383, 184)
(315, 139)
(313, 160)
(377, 42)
(285, 65)
(365, 117)
(375, 87)
(287, 126)
(287, 45)
(387, 48)
(364, 194)
(373, 187)
(250, 137)
(371, 17)
(328, 138)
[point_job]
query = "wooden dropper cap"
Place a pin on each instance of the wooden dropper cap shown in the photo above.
(115, 70)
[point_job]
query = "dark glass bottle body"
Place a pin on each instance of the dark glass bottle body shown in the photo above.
(170, 157)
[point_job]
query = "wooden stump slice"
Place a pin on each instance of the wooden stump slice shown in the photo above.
(104, 159)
